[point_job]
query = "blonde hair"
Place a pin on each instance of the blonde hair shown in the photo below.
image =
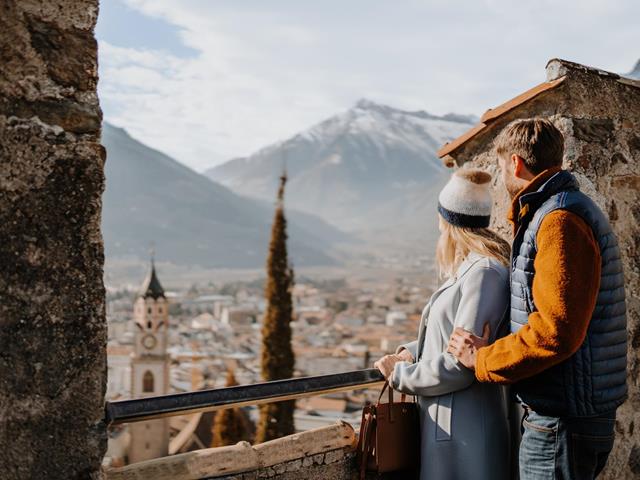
(455, 243)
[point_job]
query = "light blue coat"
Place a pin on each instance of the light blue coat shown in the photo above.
(464, 424)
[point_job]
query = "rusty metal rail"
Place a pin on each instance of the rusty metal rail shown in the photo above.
(148, 408)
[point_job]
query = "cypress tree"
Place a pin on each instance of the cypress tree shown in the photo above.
(232, 425)
(277, 362)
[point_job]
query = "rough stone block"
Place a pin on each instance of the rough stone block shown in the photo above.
(333, 456)
(53, 335)
(294, 466)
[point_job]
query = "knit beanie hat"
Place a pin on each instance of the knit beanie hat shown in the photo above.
(465, 201)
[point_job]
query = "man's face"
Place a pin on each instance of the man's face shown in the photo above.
(511, 182)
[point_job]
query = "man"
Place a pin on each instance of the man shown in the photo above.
(566, 354)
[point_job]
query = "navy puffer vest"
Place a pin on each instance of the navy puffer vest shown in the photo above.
(593, 380)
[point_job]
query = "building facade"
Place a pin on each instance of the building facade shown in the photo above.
(150, 367)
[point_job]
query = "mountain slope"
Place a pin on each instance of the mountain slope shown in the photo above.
(635, 73)
(150, 197)
(371, 170)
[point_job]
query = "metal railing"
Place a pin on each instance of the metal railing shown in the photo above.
(148, 408)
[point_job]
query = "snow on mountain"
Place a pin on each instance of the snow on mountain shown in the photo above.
(635, 73)
(367, 159)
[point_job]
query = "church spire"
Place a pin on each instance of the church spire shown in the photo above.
(151, 286)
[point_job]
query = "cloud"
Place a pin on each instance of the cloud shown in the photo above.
(262, 71)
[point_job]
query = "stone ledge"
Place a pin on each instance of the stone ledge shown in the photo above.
(321, 446)
(334, 464)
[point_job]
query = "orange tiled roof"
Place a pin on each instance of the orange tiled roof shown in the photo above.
(493, 113)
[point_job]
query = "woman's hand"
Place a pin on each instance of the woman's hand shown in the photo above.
(405, 355)
(386, 364)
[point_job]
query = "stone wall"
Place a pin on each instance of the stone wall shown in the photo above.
(599, 115)
(331, 465)
(52, 320)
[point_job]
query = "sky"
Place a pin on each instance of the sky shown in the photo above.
(209, 80)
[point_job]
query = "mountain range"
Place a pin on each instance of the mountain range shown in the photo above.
(371, 171)
(150, 197)
(366, 177)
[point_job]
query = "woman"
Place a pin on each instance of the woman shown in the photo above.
(464, 429)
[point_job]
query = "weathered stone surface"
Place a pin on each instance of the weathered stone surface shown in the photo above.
(65, 113)
(341, 467)
(333, 456)
(67, 53)
(52, 321)
(600, 118)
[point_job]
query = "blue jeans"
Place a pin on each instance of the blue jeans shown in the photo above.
(565, 448)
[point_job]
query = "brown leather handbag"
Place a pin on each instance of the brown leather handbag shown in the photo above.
(389, 439)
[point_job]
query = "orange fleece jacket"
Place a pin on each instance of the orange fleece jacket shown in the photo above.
(565, 289)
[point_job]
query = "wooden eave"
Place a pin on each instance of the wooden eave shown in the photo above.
(494, 113)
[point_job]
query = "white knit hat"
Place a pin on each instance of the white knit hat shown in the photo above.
(465, 201)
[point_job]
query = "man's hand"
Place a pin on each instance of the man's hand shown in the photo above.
(464, 345)
(386, 364)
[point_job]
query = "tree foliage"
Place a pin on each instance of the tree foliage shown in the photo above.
(277, 362)
(232, 425)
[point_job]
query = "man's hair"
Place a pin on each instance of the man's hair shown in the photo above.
(536, 140)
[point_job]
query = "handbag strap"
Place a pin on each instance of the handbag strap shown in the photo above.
(365, 436)
(386, 385)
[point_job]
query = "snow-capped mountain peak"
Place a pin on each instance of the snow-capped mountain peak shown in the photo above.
(350, 163)
(370, 105)
(418, 128)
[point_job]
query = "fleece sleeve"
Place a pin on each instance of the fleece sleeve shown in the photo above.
(483, 298)
(565, 290)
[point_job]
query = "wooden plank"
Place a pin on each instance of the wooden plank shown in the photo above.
(242, 457)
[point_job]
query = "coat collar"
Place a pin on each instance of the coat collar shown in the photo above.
(463, 268)
(546, 184)
(467, 263)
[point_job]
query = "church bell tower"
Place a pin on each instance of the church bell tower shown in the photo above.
(150, 366)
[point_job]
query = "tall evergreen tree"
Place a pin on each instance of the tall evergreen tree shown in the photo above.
(276, 419)
(232, 425)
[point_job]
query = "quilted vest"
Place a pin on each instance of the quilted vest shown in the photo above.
(593, 380)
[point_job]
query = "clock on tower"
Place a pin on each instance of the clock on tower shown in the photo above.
(149, 341)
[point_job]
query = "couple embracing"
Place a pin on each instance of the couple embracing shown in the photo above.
(545, 316)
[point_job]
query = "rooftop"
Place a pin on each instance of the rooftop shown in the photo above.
(557, 72)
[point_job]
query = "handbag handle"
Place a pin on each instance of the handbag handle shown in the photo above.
(403, 396)
(386, 384)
